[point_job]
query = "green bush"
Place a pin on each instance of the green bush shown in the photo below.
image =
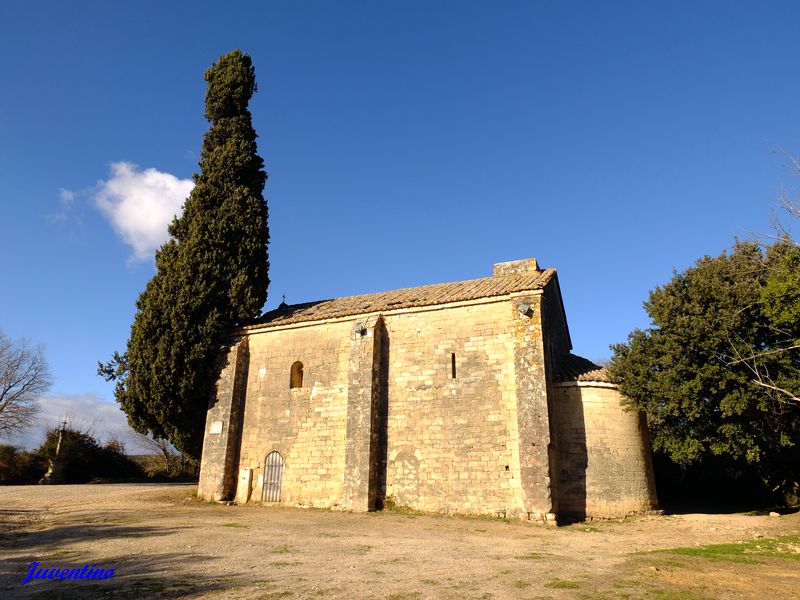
(20, 467)
(83, 459)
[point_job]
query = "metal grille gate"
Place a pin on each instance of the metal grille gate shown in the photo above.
(273, 471)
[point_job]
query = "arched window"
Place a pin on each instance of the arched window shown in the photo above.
(296, 377)
(273, 473)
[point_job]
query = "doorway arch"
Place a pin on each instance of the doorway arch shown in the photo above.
(273, 473)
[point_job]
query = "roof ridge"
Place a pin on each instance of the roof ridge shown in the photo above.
(430, 294)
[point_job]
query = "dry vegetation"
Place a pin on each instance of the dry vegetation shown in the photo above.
(164, 543)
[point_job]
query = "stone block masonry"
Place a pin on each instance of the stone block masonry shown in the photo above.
(219, 464)
(442, 398)
(605, 463)
(306, 424)
(453, 433)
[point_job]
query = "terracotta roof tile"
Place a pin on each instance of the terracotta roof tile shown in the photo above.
(577, 368)
(426, 295)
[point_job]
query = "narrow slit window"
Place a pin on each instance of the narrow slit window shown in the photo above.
(296, 376)
(453, 365)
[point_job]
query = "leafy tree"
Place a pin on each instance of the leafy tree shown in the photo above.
(81, 458)
(777, 367)
(24, 376)
(713, 370)
(211, 275)
(84, 459)
(20, 467)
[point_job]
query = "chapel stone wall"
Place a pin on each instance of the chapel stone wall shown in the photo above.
(307, 425)
(223, 426)
(605, 467)
(447, 408)
(453, 423)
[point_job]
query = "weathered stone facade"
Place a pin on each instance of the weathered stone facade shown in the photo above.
(605, 468)
(453, 398)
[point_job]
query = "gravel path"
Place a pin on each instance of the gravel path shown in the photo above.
(162, 543)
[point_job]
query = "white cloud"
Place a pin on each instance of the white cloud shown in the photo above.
(140, 204)
(66, 201)
(87, 412)
(66, 197)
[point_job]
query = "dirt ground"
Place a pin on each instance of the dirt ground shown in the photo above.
(163, 543)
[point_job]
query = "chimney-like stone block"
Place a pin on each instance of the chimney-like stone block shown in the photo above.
(515, 267)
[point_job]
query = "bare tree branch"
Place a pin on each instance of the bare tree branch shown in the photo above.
(158, 447)
(24, 376)
(753, 356)
(782, 391)
(760, 374)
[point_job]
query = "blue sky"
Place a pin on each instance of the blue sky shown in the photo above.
(406, 143)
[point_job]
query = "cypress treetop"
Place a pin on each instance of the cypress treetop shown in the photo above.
(210, 276)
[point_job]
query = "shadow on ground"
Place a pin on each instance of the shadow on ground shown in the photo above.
(166, 575)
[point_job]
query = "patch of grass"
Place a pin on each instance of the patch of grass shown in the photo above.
(458, 584)
(404, 596)
(583, 526)
(233, 525)
(265, 583)
(362, 548)
(283, 549)
(676, 595)
(563, 584)
(495, 516)
(532, 556)
(326, 592)
(286, 563)
(721, 552)
(749, 551)
(640, 589)
(429, 581)
(406, 511)
(521, 585)
(666, 562)
(390, 505)
(623, 584)
(272, 595)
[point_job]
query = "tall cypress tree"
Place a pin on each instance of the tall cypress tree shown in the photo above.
(211, 275)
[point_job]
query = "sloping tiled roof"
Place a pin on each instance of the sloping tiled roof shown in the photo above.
(577, 368)
(426, 295)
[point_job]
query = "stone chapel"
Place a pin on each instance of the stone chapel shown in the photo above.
(452, 398)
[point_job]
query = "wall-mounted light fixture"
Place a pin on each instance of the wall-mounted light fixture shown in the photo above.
(524, 309)
(360, 329)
